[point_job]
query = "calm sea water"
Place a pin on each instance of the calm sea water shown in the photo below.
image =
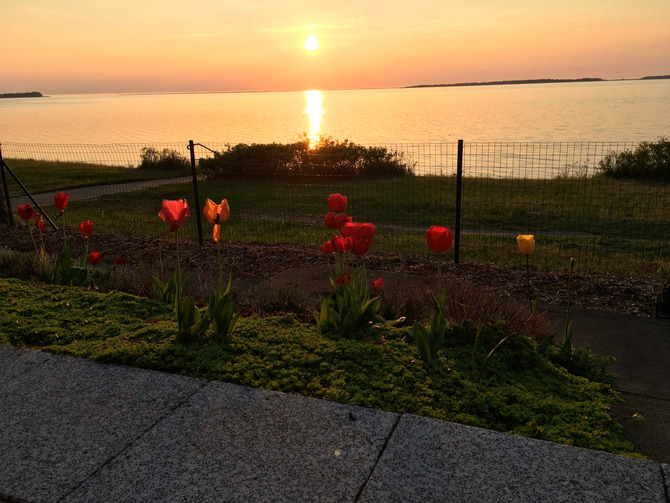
(566, 112)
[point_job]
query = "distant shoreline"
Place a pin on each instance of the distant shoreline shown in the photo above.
(33, 94)
(529, 81)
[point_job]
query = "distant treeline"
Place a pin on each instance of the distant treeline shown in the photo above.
(508, 82)
(33, 94)
(656, 77)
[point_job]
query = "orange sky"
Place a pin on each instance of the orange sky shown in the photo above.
(81, 46)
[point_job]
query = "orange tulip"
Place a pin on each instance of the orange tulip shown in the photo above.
(174, 213)
(216, 213)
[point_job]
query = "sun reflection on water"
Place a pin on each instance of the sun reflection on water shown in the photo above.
(315, 113)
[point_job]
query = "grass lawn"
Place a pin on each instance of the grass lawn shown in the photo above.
(46, 176)
(521, 391)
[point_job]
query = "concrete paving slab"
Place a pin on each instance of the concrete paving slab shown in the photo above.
(65, 418)
(238, 444)
(665, 468)
(14, 362)
(429, 460)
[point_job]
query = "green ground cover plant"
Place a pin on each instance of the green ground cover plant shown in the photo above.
(520, 391)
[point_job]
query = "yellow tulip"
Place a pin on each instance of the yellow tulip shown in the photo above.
(216, 213)
(526, 244)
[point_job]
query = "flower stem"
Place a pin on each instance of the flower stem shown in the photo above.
(530, 302)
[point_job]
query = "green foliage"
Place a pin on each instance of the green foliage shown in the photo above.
(165, 160)
(329, 157)
(430, 340)
(522, 391)
(649, 160)
(350, 308)
(221, 311)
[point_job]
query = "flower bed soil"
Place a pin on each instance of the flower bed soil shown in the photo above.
(254, 263)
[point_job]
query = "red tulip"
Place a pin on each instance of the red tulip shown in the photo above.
(349, 229)
(337, 202)
(342, 220)
(39, 223)
(119, 261)
(344, 279)
(60, 201)
(26, 212)
(327, 247)
(378, 285)
(86, 228)
(360, 246)
(331, 220)
(174, 213)
(439, 239)
(365, 231)
(340, 244)
(94, 258)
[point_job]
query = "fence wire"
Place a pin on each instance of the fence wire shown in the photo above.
(549, 189)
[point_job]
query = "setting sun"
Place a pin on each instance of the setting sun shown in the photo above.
(311, 43)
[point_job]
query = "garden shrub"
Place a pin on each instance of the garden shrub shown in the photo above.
(329, 157)
(649, 160)
(165, 160)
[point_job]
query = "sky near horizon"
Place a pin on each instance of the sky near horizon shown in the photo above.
(100, 46)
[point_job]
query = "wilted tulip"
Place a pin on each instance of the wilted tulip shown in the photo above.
(174, 213)
(438, 238)
(337, 202)
(26, 212)
(86, 228)
(39, 223)
(119, 261)
(60, 201)
(526, 244)
(94, 258)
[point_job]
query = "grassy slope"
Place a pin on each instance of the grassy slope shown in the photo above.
(521, 392)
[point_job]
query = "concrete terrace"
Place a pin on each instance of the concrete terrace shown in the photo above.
(73, 430)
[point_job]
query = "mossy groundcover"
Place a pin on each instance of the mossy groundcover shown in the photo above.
(521, 392)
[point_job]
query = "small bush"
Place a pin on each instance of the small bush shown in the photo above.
(329, 157)
(648, 160)
(167, 160)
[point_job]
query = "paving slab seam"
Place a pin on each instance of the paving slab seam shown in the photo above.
(167, 414)
(381, 453)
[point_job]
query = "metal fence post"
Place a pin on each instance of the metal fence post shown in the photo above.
(6, 202)
(191, 147)
(459, 196)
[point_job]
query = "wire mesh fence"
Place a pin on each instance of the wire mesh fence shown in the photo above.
(551, 190)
